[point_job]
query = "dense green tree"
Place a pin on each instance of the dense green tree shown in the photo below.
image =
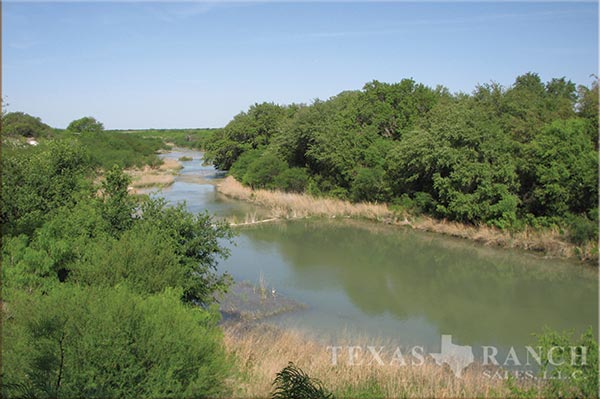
(370, 185)
(391, 109)
(97, 285)
(294, 142)
(87, 124)
(561, 97)
(588, 108)
(464, 162)
(21, 124)
(562, 165)
(223, 152)
(263, 171)
(248, 130)
(36, 180)
(504, 156)
(292, 180)
(117, 205)
(241, 165)
(199, 246)
(530, 104)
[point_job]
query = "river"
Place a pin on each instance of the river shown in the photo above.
(366, 279)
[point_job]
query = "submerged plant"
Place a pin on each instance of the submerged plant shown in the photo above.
(262, 286)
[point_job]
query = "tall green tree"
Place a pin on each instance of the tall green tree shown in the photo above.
(37, 180)
(25, 125)
(87, 124)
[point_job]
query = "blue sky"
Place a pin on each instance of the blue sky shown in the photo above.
(197, 64)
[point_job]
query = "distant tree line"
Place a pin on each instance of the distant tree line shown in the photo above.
(504, 156)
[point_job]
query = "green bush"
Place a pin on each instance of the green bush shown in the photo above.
(37, 180)
(582, 230)
(25, 125)
(292, 180)
(565, 378)
(121, 149)
(110, 342)
(370, 185)
(424, 202)
(241, 165)
(339, 193)
(104, 296)
(86, 124)
(263, 171)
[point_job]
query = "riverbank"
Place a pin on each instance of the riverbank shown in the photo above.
(262, 350)
(161, 176)
(285, 205)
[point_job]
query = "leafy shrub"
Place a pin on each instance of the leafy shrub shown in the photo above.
(565, 378)
(241, 165)
(263, 171)
(109, 342)
(21, 124)
(339, 193)
(37, 180)
(370, 185)
(86, 124)
(424, 202)
(582, 230)
(292, 180)
(121, 149)
(312, 187)
(293, 383)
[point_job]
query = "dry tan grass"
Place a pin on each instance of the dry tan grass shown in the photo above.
(162, 176)
(291, 206)
(261, 351)
(152, 180)
(547, 241)
(170, 165)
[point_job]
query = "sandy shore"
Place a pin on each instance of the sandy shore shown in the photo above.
(163, 176)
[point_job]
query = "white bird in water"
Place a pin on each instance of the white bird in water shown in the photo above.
(273, 292)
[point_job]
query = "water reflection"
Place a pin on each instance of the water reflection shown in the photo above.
(375, 280)
(427, 284)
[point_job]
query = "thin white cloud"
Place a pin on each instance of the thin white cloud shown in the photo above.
(404, 26)
(23, 44)
(167, 13)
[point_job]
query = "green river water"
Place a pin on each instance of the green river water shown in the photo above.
(362, 279)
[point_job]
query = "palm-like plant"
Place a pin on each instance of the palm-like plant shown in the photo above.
(293, 383)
